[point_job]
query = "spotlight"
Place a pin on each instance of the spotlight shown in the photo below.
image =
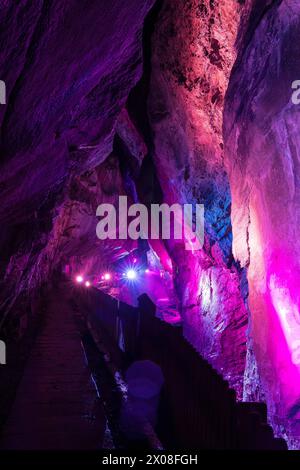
(87, 284)
(79, 279)
(147, 271)
(107, 276)
(131, 274)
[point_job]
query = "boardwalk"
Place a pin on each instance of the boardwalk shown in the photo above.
(56, 405)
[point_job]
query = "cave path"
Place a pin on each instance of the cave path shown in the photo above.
(56, 405)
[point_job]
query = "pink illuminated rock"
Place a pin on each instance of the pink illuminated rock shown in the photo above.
(193, 53)
(262, 157)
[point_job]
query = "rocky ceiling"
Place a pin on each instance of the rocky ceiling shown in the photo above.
(166, 101)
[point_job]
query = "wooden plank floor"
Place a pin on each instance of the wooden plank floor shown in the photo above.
(56, 405)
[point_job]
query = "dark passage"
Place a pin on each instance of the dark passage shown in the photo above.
(56, 405)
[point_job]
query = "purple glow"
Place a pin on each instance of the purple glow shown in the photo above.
(87, 284)
(288, 313)
(107, 276)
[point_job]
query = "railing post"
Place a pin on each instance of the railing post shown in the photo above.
(147, 310)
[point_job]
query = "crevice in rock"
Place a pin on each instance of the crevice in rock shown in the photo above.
(138, 97)
(258, 12)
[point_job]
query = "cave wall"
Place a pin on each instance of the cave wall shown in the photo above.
(68, 67)
(225, 134)
(220, 130)
(261, 133)
(192, 56)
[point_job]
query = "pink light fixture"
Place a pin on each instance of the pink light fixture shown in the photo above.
(79, 279)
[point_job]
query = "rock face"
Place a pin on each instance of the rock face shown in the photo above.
(68, 69)
(193, 53)
(261, 126)
(215, 125)
(191, 83)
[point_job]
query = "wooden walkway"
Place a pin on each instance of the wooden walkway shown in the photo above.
(56, 405)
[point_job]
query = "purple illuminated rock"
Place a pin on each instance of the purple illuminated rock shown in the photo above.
(69, 67)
